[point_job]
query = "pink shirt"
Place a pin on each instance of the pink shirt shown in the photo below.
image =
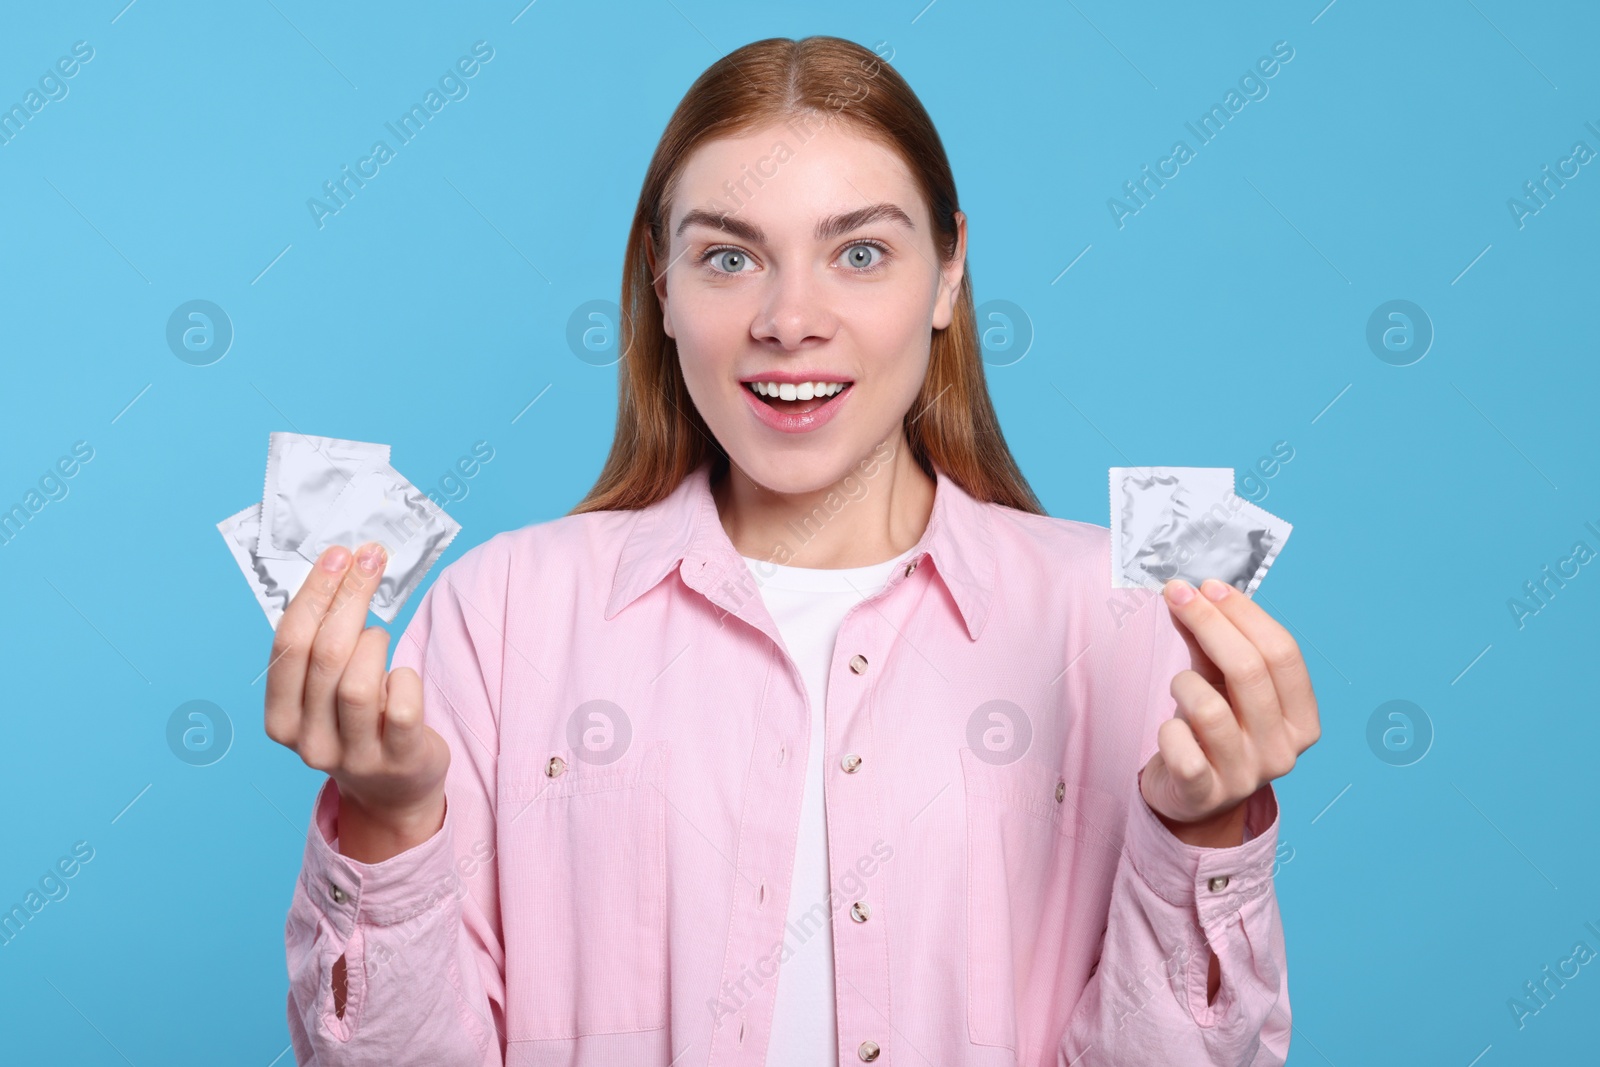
(610, 885)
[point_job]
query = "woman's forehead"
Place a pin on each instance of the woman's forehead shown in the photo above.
(784, 180)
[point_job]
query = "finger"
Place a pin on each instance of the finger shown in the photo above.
(330, 651)
(291, 645)
(1249, 683)
(359, 696)
(1279, 650)
(1214, 726)
(1199, 662)
(403, 733)
(1191, 777)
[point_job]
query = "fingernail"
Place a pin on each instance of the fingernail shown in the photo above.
(1179, 591)
(335, 559)
(1214, 588)
(370, 559)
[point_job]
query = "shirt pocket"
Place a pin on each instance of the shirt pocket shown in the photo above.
(1028, 856)
(583, 896)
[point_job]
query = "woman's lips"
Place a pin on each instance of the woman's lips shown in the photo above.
(796, 416)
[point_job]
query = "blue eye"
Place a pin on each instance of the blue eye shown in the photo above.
(854, 258)
(727, 255)
(727, 259)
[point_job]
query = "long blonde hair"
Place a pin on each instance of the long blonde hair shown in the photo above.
(660, 436)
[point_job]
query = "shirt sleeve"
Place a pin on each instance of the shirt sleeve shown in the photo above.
(1172, 906)
(420, 931)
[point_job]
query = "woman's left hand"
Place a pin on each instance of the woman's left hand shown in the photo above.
(1217, 750)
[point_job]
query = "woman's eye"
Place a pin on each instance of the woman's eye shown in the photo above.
(861, 256)
(728, 260)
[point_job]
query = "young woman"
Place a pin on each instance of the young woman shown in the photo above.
(806, 737)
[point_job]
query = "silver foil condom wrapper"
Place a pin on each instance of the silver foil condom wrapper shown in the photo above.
(304, 476)
(323, 491)
(1187, 522)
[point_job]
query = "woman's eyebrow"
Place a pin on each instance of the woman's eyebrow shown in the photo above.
(832, 226)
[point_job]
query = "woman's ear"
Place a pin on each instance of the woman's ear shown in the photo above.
(950, 277)
(659, 284)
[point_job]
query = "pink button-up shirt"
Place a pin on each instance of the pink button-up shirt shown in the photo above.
(628, 737)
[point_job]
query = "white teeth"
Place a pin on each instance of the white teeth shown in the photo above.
(802, 391)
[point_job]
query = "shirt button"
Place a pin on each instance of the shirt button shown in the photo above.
(1061, 791)
(858, 664)
(859, 911)
(339, 895)
(910, 567)
(850, 763)
(1217, 883)
(555, 768)
(868, 1051)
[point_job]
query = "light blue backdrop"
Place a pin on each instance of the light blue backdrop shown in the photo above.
(1229, 313)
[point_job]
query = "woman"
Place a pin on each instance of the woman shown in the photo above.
(582, 820)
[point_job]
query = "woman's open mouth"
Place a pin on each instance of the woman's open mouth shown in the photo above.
(796, 407)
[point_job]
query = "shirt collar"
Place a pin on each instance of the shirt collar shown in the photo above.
(683, 531)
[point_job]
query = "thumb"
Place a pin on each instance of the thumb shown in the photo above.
(403, 731)
(1155, 785)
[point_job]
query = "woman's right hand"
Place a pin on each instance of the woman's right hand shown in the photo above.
(331, 701)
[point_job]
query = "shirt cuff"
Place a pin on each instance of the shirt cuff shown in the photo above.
(348, 891)
(1218, 880)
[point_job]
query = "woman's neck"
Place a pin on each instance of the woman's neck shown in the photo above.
(876, 511)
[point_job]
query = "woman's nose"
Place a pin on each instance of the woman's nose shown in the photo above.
(794, 308)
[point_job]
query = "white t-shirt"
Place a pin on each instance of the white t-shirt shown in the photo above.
(809, 605)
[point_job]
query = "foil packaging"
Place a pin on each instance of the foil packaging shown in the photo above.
(380, 505)
(274, 581)
(304, 476)
(323, 491)
(1187, 522)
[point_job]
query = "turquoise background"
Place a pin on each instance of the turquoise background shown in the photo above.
(1229, 314)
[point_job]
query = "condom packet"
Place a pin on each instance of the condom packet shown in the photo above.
(274, 581)
(305, 474)
(1187, 522)
(379, 504)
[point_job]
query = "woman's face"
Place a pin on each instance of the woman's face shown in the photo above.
(803, 264)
